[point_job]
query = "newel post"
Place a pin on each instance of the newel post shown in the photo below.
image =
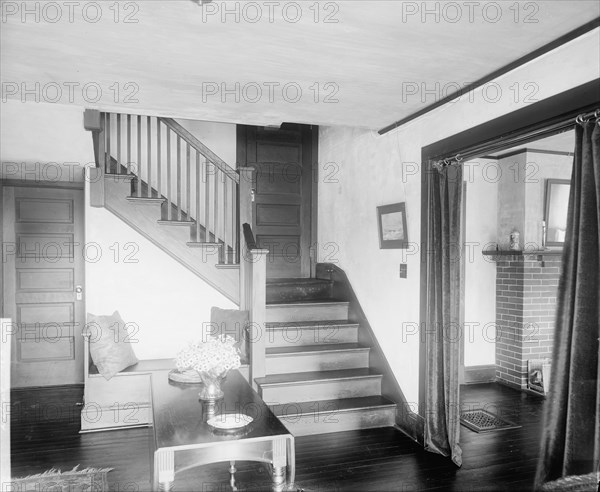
(253, 278)
(93, 122)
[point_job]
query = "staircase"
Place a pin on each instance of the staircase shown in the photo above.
(168, 186)
(309, 366)
(318, 378)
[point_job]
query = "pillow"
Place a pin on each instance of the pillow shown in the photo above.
(110, 344)
(232, 322)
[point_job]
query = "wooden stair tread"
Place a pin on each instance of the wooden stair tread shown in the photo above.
(176, 222)
(196, 244)
(296, 281)
(275, 325)
(316, 376)
(119, 176)
(308, 302)
(293, 409)
(312, 349)
(146, 199)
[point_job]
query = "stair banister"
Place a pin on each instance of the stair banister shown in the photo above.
(253, 278)
(200, 147)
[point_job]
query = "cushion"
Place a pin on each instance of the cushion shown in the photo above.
(110, 344)
(232, 322)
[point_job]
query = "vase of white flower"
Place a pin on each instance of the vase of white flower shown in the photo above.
(212, 358)
(211, 386)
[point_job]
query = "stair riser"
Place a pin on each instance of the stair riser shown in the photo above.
(321, 390)
(309, 312)
(286, 293)
(330, 420)
(299, 336)
(286, 364)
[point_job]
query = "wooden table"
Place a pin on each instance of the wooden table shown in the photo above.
(182, 439)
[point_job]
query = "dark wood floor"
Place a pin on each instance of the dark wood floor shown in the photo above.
(45, 434)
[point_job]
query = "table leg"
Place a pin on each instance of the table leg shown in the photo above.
(279, 460)
(164, 469)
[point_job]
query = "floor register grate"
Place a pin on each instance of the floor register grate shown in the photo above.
(483, 421)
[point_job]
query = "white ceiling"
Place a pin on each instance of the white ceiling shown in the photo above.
(366, 56)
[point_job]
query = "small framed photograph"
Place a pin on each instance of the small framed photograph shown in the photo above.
(391, 220)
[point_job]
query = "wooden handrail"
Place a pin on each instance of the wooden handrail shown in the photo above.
(203, 149)
(249, 237)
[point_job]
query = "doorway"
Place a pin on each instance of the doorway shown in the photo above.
(283, 202)
(43, 279)
(549, 117)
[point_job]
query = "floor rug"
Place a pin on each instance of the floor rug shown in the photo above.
(483, 421)
(75, 480)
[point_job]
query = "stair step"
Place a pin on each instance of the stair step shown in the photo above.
(124, 177)
(323, 416)
(308, 358)
(319, 385)
(313, 310)
(176, 222)
(301, 333)
(295, 289)
(145, 199)
(195, 244)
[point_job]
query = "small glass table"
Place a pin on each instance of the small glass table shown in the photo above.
(182, 439)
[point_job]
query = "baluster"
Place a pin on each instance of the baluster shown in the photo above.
(234, 222)
(107, 170)
(158, 159)
(188, 209)
(216, 205)
(169, 190)
(119, 143)
(198, 169)
(149, 157)
(128, 144)
(206, 202)
(178, 177)
(139, 155)
(225, 179)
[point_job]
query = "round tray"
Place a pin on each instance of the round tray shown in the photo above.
(229, 421)
(184, 376)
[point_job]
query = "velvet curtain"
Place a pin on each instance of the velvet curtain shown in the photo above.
(442, 412)
(571, 437)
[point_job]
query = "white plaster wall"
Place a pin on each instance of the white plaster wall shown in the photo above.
(43, 141)
(370, 174)
(511, 199)
(166, 301)
(480, 272)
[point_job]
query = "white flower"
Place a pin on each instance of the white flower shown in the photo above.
(216, 355)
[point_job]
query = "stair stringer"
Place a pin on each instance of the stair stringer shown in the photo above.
(143, 217)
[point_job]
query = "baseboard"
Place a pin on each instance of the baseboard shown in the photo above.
(480, 374)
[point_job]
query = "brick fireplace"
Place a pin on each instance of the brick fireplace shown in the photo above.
(526, 289)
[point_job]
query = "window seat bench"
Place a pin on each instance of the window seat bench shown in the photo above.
(125, 400)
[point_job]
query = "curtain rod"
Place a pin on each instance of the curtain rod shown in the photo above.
(559, 127)
(582, 118)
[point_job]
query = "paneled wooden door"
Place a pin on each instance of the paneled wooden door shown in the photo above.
(43, 274)
(283, 159)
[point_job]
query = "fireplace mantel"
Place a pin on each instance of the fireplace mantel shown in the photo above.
(537, 252)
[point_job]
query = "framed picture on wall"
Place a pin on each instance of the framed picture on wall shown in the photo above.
(391, 220)
(555, 210)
